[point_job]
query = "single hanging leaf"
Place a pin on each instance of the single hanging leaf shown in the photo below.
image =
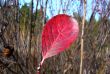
(58, 34)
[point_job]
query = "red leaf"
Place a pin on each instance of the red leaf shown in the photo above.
(58, 34)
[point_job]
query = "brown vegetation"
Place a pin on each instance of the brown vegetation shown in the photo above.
(21, 29)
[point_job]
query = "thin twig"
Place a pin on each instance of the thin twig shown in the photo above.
(82, 35)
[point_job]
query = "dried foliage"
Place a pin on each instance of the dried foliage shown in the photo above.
(21, 29)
